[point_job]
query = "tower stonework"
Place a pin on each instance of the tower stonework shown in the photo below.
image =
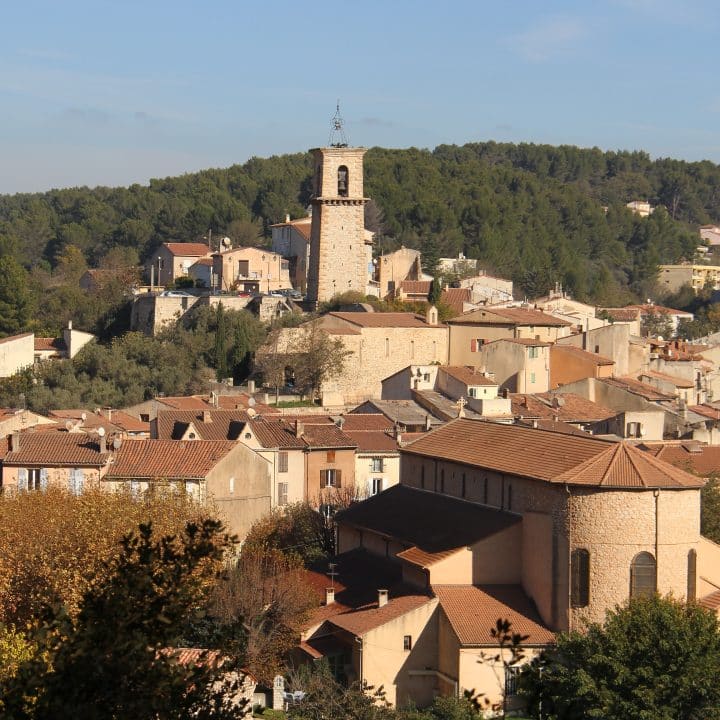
(338, 248)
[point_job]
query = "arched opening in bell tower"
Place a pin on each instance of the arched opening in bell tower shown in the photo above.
(343, 181)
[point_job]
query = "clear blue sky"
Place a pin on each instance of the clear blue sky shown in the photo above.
(118, 91)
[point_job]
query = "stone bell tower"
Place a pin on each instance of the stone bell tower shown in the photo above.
(339, 248)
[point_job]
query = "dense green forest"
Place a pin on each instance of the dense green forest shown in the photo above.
(535, 213)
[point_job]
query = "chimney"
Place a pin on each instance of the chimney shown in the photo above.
(535, 423)
(329, 595)
(431, 316)
(14, 442)
(427, 422)
(299, 428)
(206, 416)
(69, 327)
(382, 598)
(102, 442)
(287, 217)
(251, 387)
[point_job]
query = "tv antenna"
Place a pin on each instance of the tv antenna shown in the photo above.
(338, 138)
(332, 573)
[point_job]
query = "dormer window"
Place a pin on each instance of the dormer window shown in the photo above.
(343, 181)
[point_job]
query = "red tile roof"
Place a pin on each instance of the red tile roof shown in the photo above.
(222, 425)
(455, 299)
(707, 411)
(281, 433)
(631, 385)
(185, 402)
(416, 287)
(473, 611)
(468, 375)
(672, 379)
(509, 316)
(57, 448)
(365, 421)
(564, 407)
(546, 455)
(382, 320)
(188, 249)
(15, 337)
(689, 456)
(43, 344)
(373, 441)
(170, 459)
(580, 354)
(711, 601)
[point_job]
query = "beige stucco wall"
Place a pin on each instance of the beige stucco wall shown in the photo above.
(364, 473)
(318, 460)
(248, 497)
(16, 353)
(57, 476)
(267, 270)
(514, 369)
(393, 268)
(567, 367)
(708, 567)
(386, 663)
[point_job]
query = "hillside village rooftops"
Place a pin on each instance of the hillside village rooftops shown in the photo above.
(473, 611)
(468, 374)
(455, 298)
(382, 320)
(689, 456)
(549, 456)
(284, 433)
(509, 316)
(671, 379)
(208, 424)
(636, 387)
(170, 459)
(416, 286)
(187, 249)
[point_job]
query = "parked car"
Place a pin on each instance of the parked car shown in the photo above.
(175, 293)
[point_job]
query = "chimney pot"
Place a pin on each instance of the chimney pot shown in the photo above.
(14, 441)
(69, 327)
(206, 416)
(287, 217)
(329, 595)
(382, 598)
(299, 428)
(102, 441)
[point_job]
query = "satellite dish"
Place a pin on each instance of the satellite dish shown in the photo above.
(251, 413)
(251, 402)
(117, 442)
(226, 241)
(101, 431)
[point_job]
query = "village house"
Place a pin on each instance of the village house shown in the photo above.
(471, 330)
(492, 521)
(569, 363)
(250, 270)
(672, 277)
(517, 365)
(291, 240)
(392, 269)
(172, 260)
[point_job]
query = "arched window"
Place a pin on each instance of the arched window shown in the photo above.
(643, 575)
(343, 181)
(692, 576)
(580, 578)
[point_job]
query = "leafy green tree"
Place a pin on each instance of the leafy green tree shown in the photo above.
(113, 660)
(653, 659)
(710, 517)
(16, 306)
(656, 324)
(318, 358)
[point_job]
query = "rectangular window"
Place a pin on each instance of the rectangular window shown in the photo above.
(426, 377)
(580, 578)
(377, 485)
(511, 678)
(377, 465)
(330, 478)
(387, 347)
(144, 417)
(282, 462)
(282, 493)
(243, 268)
(472, 392)
(532, 353)
(330, 456)
(532, 378)
(407, 642)
(231, 486)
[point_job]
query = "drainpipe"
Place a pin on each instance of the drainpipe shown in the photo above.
(569, 558)
(359, 641)
(656, 495)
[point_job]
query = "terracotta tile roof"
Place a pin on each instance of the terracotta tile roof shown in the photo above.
(554, 425)
(365, 421)
(302, 225)
(473, 610)
(626, 466)
(644, 390)
(43, 344)
(658, 309)
(564, 407)
(242, 402)
(711, 601)
(86, 419)
(676, 381)
(509, 316)
(185, 402)
(522, 341)
(433, 523)
(455, 298)
(549, 456)
(382, 320)
(468, 375)
(206, 262)
(280, 432)
(707, 411)
(188, 249)
(373, 441)
(579, 353)
(57, 448)
(626, 314)
(172, 459)
(689, 456)
(357, 580)
(129, 423)
(223, 424)
(416, 287)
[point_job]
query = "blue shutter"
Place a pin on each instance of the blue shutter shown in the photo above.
(43, 479)
(22, 478)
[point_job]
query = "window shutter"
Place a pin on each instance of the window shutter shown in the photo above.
(338, 476)
(79, 481)
(71, 480)
(22, 478)
(473, 345)
(43, 479)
